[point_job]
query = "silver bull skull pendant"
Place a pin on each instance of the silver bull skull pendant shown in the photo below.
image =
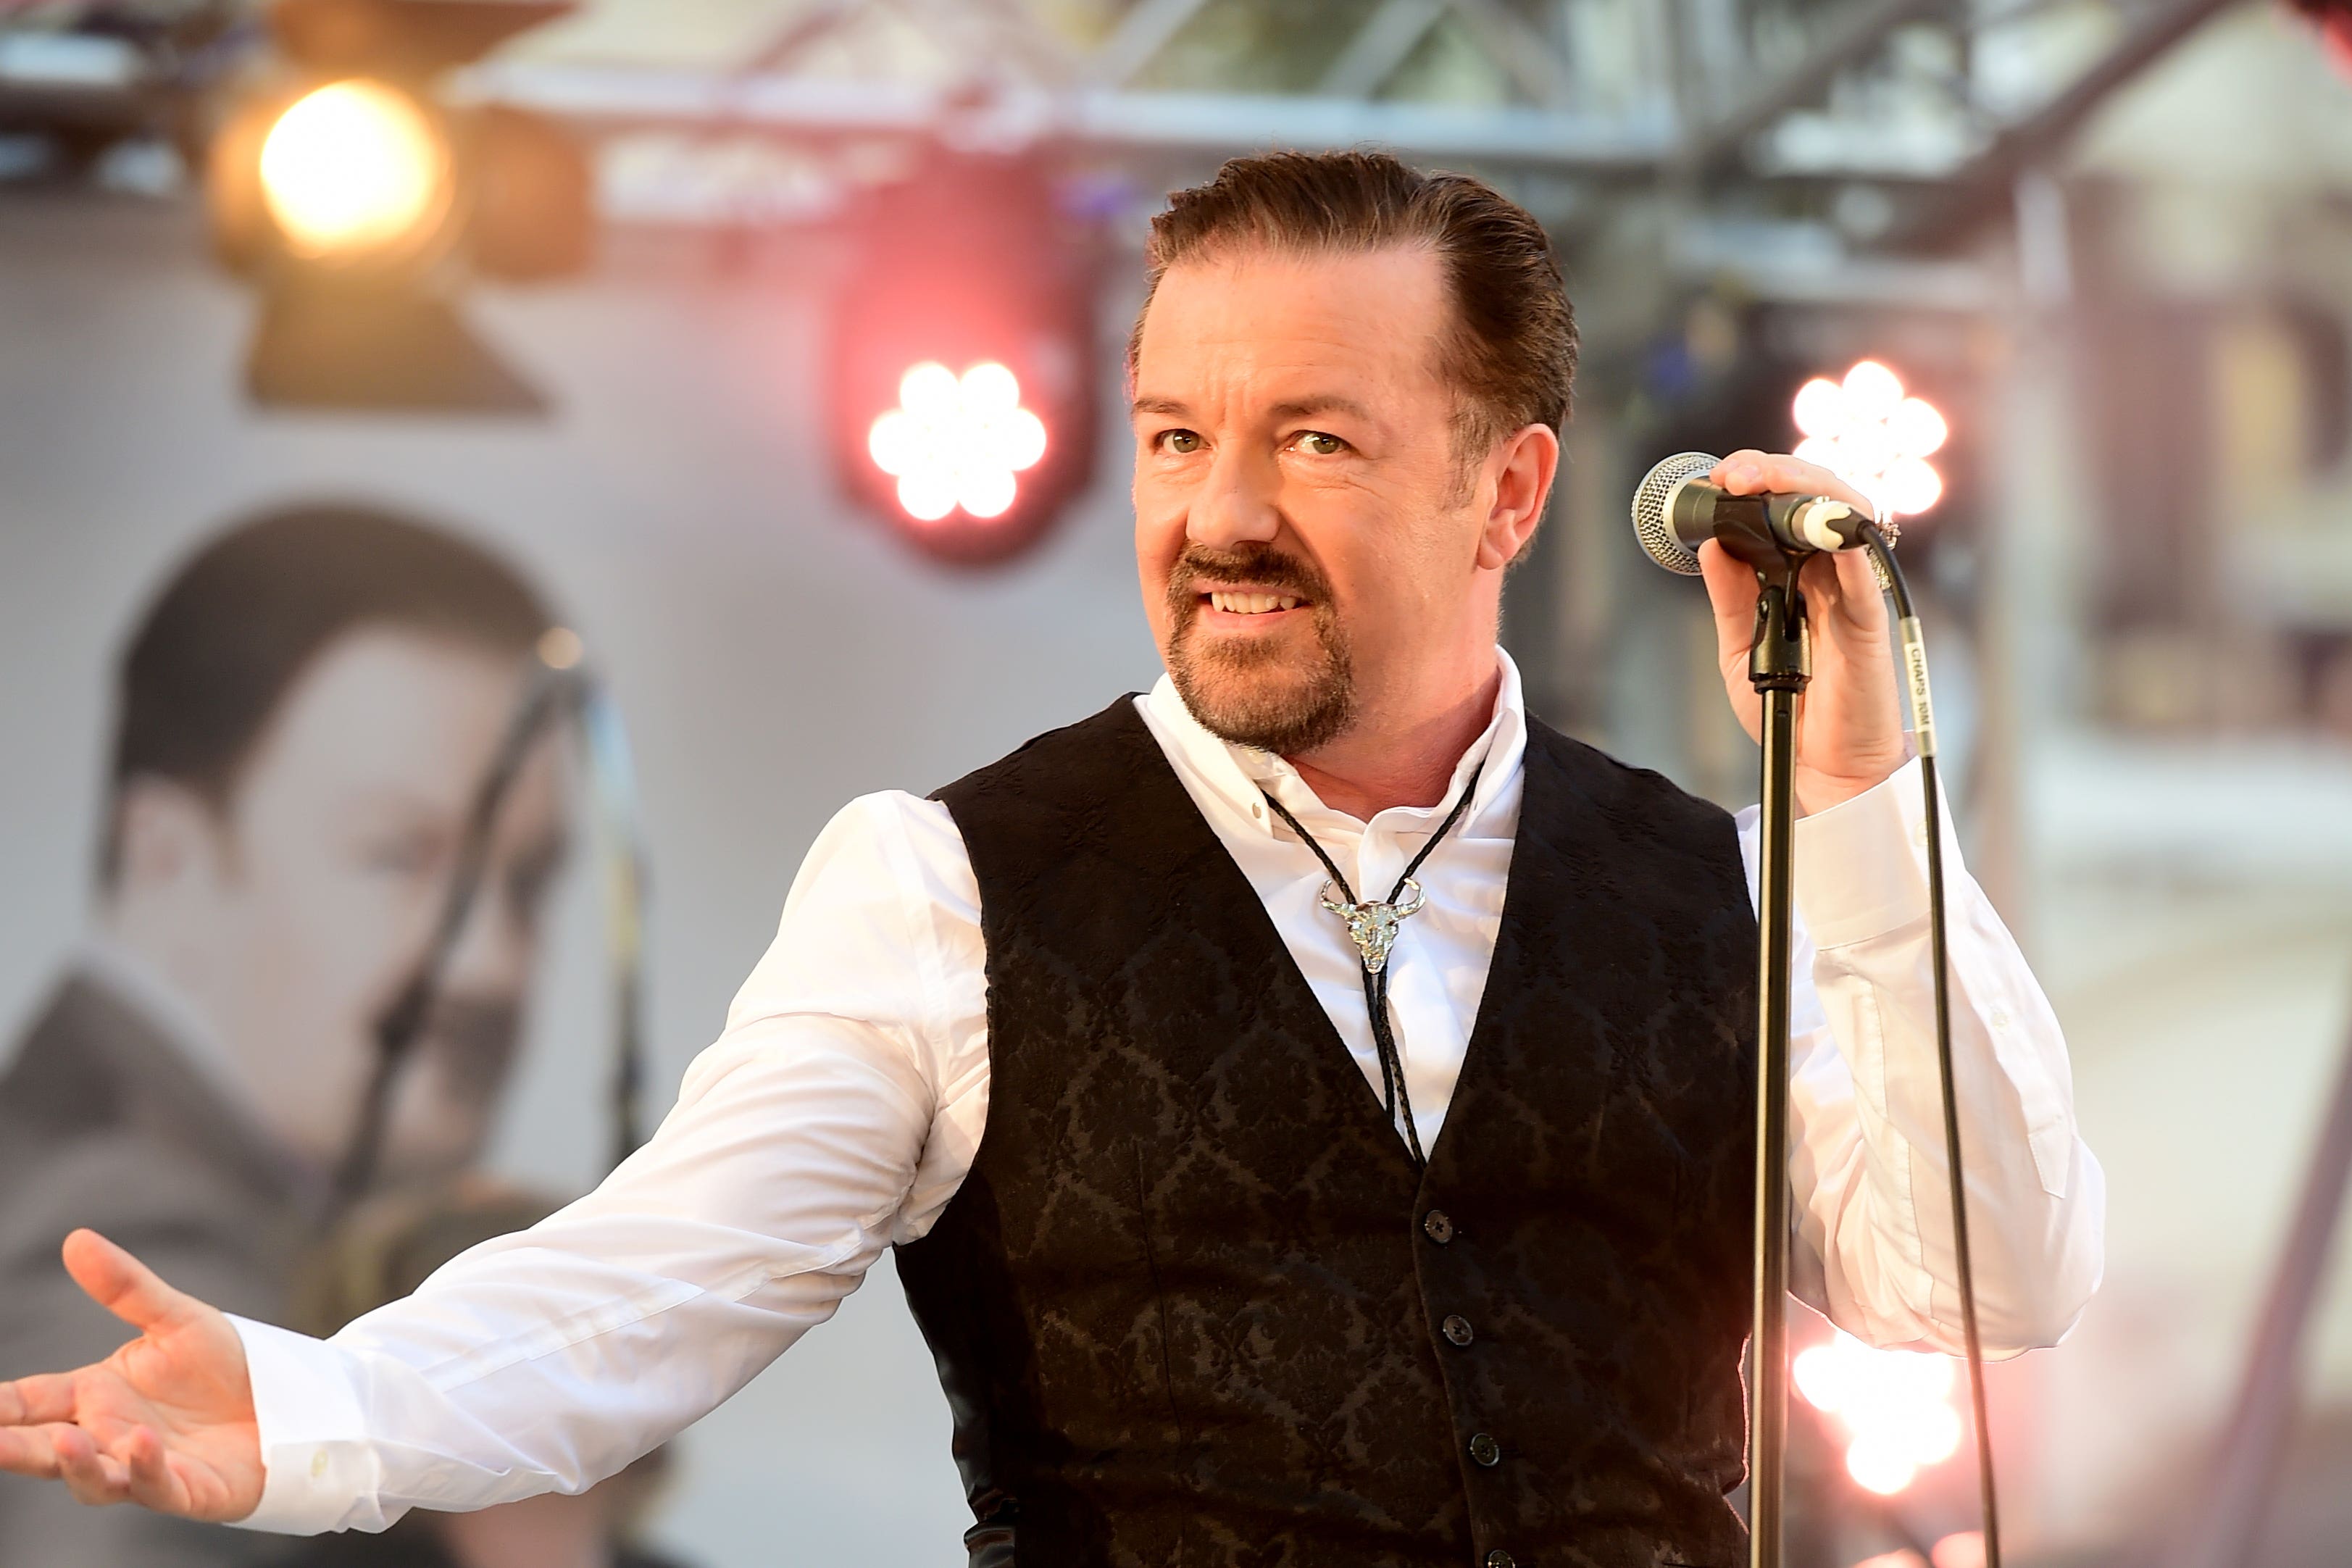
(1373, 925)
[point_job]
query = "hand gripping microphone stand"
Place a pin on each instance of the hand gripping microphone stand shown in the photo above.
(1780, 666)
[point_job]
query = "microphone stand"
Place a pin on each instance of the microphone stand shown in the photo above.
(1780, 666)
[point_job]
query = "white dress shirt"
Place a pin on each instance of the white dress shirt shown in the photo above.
(839, 1112)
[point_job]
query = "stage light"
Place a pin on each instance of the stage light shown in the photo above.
(1867, 430)
(355, 167)
(359, 202)
(957, 441)
(962, 357)
(1896, 1407)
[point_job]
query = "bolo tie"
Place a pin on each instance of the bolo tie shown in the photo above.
(1373, 926)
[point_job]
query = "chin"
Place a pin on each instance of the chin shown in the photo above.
(1283, 711)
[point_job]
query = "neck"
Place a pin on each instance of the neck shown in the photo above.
(1406, 759)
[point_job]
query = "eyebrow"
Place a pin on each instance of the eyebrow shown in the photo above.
(1327, 403)
(1300, 409)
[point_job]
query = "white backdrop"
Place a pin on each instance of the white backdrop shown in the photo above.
(774, 652)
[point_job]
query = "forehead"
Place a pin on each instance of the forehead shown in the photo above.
(1261, 314)
(384, 708)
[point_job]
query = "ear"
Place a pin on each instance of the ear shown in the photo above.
(1520, 470)
(169, 841)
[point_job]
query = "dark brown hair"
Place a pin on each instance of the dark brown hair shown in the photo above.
(1512, 352)
(242, 619)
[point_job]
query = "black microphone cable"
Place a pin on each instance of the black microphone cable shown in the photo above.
(1923, 727)
(555, 688)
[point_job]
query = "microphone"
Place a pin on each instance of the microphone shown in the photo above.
(1675, 510)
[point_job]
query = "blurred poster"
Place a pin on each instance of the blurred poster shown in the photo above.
(301, 719)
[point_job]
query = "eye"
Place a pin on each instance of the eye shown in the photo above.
(1181, 442)
(1316, 443)
(402, 855)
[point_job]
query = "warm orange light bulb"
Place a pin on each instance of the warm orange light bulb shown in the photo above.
(353, 167)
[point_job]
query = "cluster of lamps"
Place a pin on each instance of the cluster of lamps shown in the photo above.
(957, 441)
(1896, 1407)
(1869, 432)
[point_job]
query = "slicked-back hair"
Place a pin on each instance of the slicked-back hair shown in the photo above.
(242, 619)
(1511, 350)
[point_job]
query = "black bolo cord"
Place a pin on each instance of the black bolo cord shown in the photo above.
(1923, 725)
(1393, 1094)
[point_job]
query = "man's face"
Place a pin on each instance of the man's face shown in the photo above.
(293, 917)
(1313, 545)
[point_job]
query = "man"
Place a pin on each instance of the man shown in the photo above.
(1092, 1039)
(302, 718)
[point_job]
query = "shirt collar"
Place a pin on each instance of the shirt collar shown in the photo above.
(133, 980)
(1234, 774)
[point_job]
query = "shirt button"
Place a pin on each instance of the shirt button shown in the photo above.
(1456, 1329)
(1437, 1227)
(1499, 1558)
(1485, 1449)
(318, 1465)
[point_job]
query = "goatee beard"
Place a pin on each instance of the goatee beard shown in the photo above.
(1237, 689)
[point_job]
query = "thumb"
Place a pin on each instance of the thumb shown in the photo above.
(121, 1284)
(1732, 590)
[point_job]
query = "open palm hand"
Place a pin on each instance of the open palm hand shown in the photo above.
(166, 1421)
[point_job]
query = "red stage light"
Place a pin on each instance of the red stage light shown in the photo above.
(962, 359)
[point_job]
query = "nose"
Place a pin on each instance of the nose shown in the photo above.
(492, 955)
(1236, 501)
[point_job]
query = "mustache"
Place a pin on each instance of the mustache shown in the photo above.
(474, 1042)
(1253, 562)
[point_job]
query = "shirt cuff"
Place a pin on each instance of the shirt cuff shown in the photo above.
(316, 1462)
(1861, 865)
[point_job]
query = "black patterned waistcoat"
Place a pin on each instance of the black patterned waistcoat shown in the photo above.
(1194, 1306)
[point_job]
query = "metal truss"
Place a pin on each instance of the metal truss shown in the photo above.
(1933, 105)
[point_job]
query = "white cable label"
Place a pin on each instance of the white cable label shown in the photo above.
(1915, 670)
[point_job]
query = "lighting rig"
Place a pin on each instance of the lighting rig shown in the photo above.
(358, 199)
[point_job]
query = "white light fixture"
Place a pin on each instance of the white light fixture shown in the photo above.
(957, 441)
(1895, 1406)
(1869, 433)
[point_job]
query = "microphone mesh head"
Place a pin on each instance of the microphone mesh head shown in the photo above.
(1650, 498)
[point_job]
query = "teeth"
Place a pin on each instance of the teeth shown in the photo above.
(1253, 604)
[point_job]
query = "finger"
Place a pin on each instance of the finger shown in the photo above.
(1752, 473)
(121, 1284)
(32, 1401)
(1858, 588)
(148, 1476)
(29, 1451)
(1742, 473)
(1841, 584)
(93, 1477)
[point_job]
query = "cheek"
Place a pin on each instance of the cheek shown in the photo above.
(1159, 541)
(342, 932)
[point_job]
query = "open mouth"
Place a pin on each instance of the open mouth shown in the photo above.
(1248, 605)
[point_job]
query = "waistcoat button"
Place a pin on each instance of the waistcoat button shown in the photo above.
(1485, 1449)
(1439, 1228)
(1499, 1558)
(1457, 1328)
